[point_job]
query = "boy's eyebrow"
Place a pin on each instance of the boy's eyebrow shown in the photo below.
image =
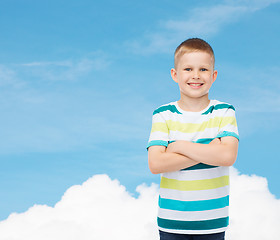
(201, 66)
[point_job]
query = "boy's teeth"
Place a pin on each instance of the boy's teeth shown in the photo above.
(195, 84)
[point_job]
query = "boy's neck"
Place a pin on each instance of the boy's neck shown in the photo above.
(193, 105)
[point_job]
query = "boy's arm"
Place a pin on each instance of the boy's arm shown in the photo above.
(161, 161)
(223, 154)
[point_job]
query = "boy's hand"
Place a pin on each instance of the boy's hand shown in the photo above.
(171, 148)
(176, 146)
(219, 152)
(216, 141)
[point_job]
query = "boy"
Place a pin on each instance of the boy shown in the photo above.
(192, 144)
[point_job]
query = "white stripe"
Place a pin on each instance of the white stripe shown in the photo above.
(158, 118)
(159, 136)
(194, 195)
(218, 230)
(199, 174)
(194, 136)
(229, 128)
(193, 216)
(167, 115)
(182, 119)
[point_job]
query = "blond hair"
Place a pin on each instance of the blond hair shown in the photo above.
(192, 45)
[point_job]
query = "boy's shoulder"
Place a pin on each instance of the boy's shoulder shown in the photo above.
(218, 105)
(171, 107)
(217, 102)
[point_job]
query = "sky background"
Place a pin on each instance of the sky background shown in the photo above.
(79, 81)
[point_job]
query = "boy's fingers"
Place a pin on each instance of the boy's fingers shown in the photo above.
(216, 141)
(169, 147)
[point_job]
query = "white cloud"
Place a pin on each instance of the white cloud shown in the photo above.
(201, 22)
(18, 76)
(259, 91)
(8, 78)
(44, 111)
(254, 211)
(98, 209)
(253, 5)
(64, 70)
(101, 208)
(54, 63)
(206, 20)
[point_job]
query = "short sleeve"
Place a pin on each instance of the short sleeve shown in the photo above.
(159, 135)
(228, 124)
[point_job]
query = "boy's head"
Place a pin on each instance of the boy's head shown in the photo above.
(192, 45)
(194, 69)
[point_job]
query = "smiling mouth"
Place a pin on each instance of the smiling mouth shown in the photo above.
(195, 84)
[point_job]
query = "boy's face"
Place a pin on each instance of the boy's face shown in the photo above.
(194, 74)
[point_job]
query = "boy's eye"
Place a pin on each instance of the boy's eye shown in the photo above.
(203, 70)
(188, 69)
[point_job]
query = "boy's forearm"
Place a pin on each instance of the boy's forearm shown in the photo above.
(211, 154)
(161, 162)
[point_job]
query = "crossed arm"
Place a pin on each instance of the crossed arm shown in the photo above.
(184, 154)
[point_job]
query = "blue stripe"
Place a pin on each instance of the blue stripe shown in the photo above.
(199, 166)
(171, 108)
(217, 107)
(193, 225)
(202, 205)
(204, 140)
(201, 140)
(227, 134)
(157, 143)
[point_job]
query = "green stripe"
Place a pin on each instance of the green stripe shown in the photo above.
(217, 107)
(193, 225)
(199, 166)
(171, 108)
(194, 185)
(202, 205)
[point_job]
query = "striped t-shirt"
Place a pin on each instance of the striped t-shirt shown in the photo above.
(194, 200)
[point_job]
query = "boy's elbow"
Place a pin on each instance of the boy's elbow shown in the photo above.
(153, 166)
(229, 151)
(228, 163)
(154, 171)
(229, 159)
(155, 159)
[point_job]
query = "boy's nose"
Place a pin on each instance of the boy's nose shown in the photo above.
(195, 75)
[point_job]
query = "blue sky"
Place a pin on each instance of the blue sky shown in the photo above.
(79, 81)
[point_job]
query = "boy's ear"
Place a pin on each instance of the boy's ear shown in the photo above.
(215, 73)
(174, 74)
